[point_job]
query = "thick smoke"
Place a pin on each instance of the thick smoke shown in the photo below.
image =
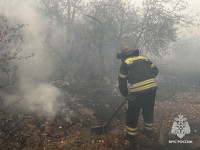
(34, 93)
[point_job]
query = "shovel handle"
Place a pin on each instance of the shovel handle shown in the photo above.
(111, 118)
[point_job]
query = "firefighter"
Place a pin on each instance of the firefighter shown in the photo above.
(141, 74)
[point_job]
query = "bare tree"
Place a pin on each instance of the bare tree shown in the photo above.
(150, 29)
(62, 15)
(91, 35)
(11, 39)
(159, 24)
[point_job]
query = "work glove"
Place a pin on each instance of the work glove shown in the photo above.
(130, 98)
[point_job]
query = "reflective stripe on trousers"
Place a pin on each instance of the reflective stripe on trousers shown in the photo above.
(148, 126)
(132, 131)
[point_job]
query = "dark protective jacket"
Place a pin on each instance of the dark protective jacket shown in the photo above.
(140, 73)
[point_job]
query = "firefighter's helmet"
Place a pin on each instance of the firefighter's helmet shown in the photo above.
(126, 52)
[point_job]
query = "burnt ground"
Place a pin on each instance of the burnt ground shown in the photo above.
(26, 131)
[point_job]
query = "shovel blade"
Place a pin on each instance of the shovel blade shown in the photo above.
(98, 129)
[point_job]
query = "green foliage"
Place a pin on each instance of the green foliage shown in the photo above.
(150, 28)
(92, 32)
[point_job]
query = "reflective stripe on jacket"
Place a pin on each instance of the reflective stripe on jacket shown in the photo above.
(140, 73)
(144, 85)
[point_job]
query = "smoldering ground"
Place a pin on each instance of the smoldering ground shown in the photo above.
(34, 93)
(89, 73)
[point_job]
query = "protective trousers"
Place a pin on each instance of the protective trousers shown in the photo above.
(145, 101)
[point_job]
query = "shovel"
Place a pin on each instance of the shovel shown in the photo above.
(102, 129)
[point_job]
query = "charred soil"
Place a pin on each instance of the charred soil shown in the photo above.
(24, 131)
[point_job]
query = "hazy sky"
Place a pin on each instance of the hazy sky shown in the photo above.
(194, 8)
(194, 5)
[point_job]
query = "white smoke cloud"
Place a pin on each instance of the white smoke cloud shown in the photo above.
(34, 94)
(42, 99)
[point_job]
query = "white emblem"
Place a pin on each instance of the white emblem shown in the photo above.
(180, 127)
